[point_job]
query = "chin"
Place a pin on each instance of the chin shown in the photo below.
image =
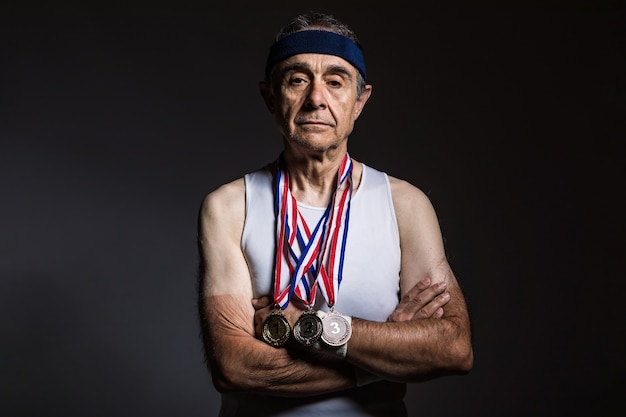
(314, 144)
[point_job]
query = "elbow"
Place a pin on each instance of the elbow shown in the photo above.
(466, 361)
(460, 354)
(229, 379)
(223, 383)
(222, 386)
(461, 359)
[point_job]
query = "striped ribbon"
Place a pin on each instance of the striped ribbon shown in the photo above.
(312, 257)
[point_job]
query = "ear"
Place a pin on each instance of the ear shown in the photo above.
(360, 102)
(268, 97)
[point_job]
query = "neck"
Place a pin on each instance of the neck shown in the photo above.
(312, 180)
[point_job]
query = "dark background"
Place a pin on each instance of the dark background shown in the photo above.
(115, 122)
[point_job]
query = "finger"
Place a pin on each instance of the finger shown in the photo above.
(432, 308)
(425, 292)
(261, 302)
(259, 319)
(421, 286)
(416, 299)
(257, 326)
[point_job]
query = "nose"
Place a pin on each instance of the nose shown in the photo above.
(316, 98)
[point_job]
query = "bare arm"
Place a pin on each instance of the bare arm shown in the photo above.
(415, 350)
(237, 360)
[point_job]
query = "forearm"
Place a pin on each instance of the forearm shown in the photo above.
(414, 350)
(262, 369)
(240, 362)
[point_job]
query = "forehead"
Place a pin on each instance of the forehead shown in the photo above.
(318, 63)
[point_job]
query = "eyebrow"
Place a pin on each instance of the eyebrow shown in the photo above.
(302, 66)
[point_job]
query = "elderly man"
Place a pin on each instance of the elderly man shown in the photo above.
(324, 284)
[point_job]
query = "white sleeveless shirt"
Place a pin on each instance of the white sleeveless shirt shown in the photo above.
(371, 274)
(369, 290)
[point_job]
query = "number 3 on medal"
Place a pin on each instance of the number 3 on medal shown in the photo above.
(337, 329)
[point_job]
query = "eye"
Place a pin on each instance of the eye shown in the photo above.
(297, 80)
(334, 83)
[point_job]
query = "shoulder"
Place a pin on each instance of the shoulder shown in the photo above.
(417, 221)
(225, 196)
(224, 205)
(409, 199)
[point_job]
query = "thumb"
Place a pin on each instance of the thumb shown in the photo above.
(261, 302)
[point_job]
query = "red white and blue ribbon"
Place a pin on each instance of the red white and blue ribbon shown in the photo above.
(333, 253)
(305, 258)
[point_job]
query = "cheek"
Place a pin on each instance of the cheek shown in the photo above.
(284, 118)
(285, 115)
(288, 111)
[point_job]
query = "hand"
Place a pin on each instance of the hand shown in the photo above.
(264, 305)
(421, 302)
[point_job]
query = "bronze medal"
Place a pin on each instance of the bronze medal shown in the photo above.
(276, 329)
(308, 328)
(336, 329)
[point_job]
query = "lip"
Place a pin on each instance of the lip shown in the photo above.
(313, 122)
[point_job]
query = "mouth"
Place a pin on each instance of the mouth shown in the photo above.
(313, 123)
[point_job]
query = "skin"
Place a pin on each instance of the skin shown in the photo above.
(314, 102)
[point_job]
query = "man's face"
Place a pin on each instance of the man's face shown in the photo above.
(315, 100)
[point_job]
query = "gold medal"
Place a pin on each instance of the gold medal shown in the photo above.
(308, 328)
(336, 329)
(276, 329)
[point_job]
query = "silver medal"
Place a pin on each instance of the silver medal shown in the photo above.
(336, 329)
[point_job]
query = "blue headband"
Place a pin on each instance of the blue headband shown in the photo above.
(318, 42)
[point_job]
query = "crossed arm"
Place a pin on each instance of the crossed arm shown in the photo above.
(420, 340)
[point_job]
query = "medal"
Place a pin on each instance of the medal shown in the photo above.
(306, 259)
(336, 329)
(276, 329)
(308, 328)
